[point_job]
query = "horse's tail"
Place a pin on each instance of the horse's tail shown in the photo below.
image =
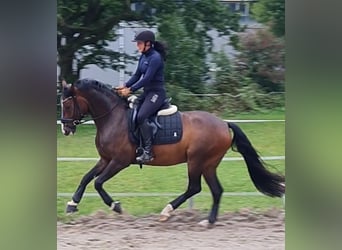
(266, 182)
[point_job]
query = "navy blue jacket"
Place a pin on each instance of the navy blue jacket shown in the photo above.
(150, 67)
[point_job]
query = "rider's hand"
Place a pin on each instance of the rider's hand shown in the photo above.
(124, 91)
(118, 88)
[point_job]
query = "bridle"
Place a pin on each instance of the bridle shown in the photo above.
(77, 113)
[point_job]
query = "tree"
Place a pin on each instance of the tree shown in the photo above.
(232, 81)
(84, 28)
(272, 13)
(184, 66)
(185, 28)
(264, 55)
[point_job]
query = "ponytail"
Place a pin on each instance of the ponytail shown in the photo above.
(161, 48)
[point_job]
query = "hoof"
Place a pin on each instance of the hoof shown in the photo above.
(116, 207)
(71, 209)
(163, 218)
(165, 214)
(206, 223)
(203, 223)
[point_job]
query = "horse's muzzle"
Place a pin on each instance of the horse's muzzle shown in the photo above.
(68, 129)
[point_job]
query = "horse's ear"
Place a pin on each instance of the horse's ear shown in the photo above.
(65, 84)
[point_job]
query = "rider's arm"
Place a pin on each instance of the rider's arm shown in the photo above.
(134, 77)
(153, 66)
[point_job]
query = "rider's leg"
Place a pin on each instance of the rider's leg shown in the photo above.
(150, 106)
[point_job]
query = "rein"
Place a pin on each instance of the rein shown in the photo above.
(103, 115)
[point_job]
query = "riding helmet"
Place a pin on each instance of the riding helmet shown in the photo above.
(144, 36)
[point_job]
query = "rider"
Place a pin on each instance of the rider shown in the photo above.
(149, 75)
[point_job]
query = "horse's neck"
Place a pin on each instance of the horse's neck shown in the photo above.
(107, 111)
(112, 128)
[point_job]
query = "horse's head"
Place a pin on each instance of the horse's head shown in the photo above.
(73, 108)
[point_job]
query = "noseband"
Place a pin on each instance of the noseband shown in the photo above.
(75, 113)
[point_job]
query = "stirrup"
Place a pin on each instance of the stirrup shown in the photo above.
(144, 157)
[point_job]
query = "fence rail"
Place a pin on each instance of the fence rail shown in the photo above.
(190, 200)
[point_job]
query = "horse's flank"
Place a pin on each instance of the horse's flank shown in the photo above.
(199, 133)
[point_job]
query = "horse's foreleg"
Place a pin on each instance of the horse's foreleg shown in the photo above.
(194, 187)
(112, 169)
(88, 177)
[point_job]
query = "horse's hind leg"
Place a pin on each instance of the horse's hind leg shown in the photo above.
(88, 177)
(194, 187)
(216, 189)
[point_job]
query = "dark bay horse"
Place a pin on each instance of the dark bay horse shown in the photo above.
(204, 143)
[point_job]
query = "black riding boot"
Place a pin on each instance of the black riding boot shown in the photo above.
(146, 134)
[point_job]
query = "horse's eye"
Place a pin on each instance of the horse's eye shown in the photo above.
(67, 108)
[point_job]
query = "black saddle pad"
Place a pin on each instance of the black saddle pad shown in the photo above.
(169, 129)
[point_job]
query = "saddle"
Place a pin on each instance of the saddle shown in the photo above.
(166, 123)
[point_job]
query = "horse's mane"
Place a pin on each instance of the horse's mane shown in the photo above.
(88, 83)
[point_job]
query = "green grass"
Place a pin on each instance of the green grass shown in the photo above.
(278, 114)
(267, 138)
